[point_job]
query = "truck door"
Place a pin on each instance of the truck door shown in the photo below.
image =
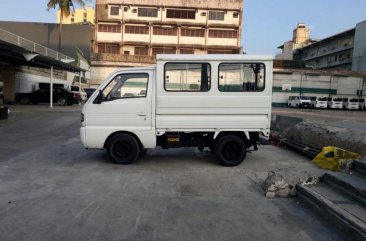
(125, 105)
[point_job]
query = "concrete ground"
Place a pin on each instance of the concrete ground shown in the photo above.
(53, 189)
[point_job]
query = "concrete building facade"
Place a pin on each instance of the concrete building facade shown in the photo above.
(133, 32)
(80, 16)
(300, 82)
(342, 51)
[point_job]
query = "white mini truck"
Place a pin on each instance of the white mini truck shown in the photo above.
(219, 102)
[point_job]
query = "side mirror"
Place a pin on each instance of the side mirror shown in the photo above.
(99, 98)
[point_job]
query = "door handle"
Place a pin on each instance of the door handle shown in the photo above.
(141, 114)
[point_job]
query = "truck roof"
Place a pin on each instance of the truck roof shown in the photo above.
(212, 57)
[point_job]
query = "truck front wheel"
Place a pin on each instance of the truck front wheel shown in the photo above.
(123, 149)
(230, 150)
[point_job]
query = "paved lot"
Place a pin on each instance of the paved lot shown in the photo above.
(53, 189)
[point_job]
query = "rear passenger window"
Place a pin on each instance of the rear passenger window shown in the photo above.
(183, 77)
(241, 77)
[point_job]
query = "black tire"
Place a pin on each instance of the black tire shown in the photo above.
(123, 149)
(24, 100)
(230, 150)
(62, 101)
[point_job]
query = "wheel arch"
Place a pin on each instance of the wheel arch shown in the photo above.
(123, 132)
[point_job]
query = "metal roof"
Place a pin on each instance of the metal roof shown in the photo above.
(17, 50)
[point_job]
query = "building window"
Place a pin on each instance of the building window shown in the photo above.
(156, 51)
(114, 11)
(148, 12)
(223, 34)
(126, 52)
(137, 29)
(183, 14)
(223, 51)
(218, 16)
(183, 77)
(104, 48)
(109, 28)
(187, 51)
(165, 31)
(192, 32)
(141, 51)
(235, 15)
(241, 77)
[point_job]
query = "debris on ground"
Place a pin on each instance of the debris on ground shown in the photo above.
(277, 185)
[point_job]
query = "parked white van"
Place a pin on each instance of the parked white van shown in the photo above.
(220, 102)
(335, 103)
(319, 102)
(299, 101)
(350, 104)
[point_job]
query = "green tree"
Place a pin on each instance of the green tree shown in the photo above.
(66, 8)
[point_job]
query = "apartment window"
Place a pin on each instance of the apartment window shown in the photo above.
(165, 31)
(218, 16)
(137, 29)
(192, 32)
(183, 77)
(219, 51)
(183, 14)
(148, 12)
(109, 28)
(223, 34)
(104, 48)
(141, 51)
(156, 51)
(114, 11)
(235, 15)
(241, 77)
(187, 51)
(126, 52)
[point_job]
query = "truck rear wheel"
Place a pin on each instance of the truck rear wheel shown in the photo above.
(123, 149)
(230, 150)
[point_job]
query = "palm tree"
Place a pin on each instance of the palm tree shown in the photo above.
(66, 8)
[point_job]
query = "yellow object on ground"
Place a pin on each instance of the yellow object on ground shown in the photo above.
(334, 158)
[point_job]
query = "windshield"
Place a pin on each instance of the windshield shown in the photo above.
(322, 99)
(353, 100)
(304, 98)
(337, 99)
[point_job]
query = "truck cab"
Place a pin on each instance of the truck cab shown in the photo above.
(218, 102)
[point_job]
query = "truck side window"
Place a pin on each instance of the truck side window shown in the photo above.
(241, 77)
(183, 77)
(126, 86)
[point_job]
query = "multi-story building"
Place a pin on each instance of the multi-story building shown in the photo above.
(80, 16)
(342, 51)
(132, 32)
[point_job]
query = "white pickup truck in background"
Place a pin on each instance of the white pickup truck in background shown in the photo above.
(220, 102)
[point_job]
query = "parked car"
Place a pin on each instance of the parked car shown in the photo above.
(318, 102)
(75, 89)
(89, 91)
(60, 95)
(299, 101)
(335, 103)
(350, 104)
